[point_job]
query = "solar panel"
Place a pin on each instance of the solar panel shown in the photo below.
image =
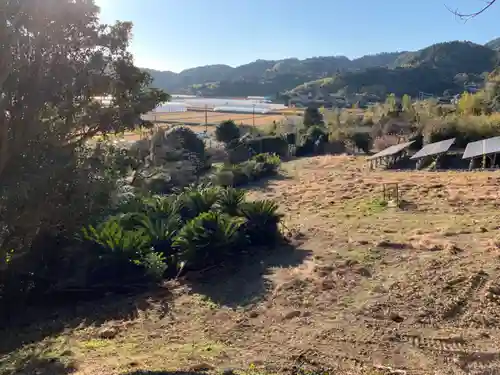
(434, 148)
(492, 145)
(391, 150)
(483, 147)
(473, 149)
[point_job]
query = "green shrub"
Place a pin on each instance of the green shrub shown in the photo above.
(252, 170)
(182, 138)
(227, 131)
(262, 219)
(161, 232)
(224, 177)
(242, 175)
(261, 165)
(208, 240)
(128, 201)
(234, 175)
(270, 163)
(312, 116)
(465, 129)
(155, 265)
(316, 132)
(362, 141)
(274, 145)
(238, 152)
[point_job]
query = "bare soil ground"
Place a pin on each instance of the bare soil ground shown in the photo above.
(368, 290)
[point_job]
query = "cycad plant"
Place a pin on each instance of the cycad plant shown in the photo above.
(208, 239)
(163, 206)
(161, 232)
(118, 253)
(195, 202)
(230, 200)
(262, 219)
(111, 237)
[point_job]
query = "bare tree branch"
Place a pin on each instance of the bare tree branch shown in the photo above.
(468, 16)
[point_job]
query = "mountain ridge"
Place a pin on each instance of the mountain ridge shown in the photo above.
(270, 77)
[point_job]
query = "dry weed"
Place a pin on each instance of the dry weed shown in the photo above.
(388, 286)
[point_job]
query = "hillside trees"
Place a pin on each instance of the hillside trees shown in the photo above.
(56, 59)
(492, 89)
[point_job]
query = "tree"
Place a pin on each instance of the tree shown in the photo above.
(312, 116)
(57, 61)
(390, 102)
(467, 16)
(406, 103)
(227, 131)
(472, 104)
(492, 90)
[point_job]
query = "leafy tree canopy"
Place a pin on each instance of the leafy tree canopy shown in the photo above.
(56, 59)
(227, 131)
(57, 64)
(312, 116)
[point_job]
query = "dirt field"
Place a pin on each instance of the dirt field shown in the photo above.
(217, 117)
(368, 290)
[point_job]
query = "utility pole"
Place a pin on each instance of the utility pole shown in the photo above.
(253, 115)
(206, 119)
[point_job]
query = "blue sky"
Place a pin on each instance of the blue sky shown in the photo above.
(179, 34)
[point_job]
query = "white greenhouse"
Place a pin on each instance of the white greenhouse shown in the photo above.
(259, 110)
(171, 107)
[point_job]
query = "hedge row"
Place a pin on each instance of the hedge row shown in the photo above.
(259, 166)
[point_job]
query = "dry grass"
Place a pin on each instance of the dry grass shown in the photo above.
(217, 117)
(371, 289)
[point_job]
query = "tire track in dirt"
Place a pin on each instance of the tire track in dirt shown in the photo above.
(323, 361)
(386, 346)
(458, 307)
(459, 351)
(483, 309)
(467, 355)
(446, 344)
(480, 362)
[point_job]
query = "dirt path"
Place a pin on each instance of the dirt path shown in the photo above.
(369, 289)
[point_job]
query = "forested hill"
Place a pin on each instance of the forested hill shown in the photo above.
(433, 69)
(494, 44)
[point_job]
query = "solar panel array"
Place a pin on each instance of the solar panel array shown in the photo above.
(392, 150)
(483, 147)
(434, 148)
